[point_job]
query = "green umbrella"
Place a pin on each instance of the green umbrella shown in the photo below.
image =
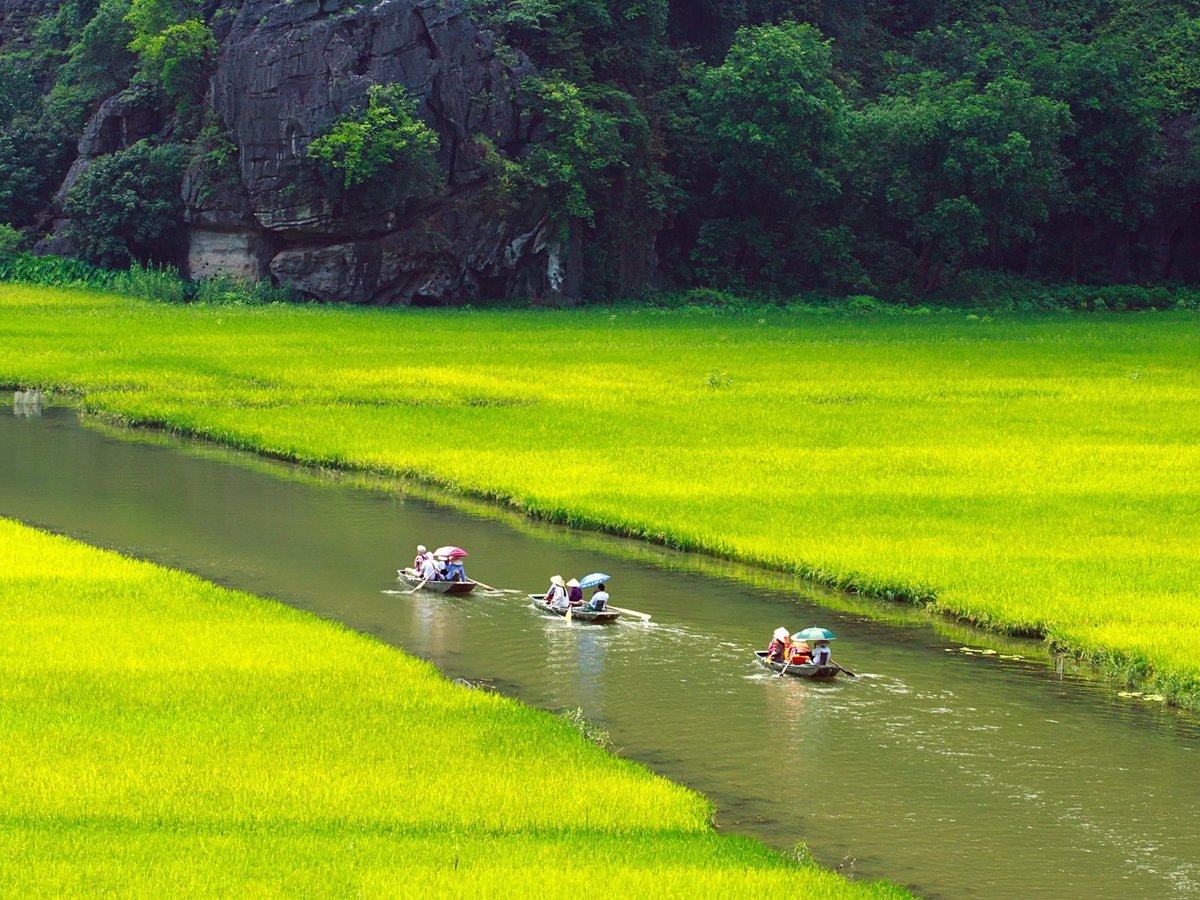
(814, 634)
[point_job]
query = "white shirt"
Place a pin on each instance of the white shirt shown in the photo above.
(599, 598)
(429, 569)
(821, 655)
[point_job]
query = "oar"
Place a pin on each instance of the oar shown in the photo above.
(570, 610)
(494, 589)
(629, 612)
(844, 669)
(787, 666)
(417, 588)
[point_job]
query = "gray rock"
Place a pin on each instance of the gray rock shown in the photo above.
(285, 72)
(236, 254)
(17, 18)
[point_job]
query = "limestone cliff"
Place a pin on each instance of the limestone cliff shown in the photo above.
(285, 72)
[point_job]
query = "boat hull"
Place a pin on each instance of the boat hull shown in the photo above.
(412, 579)
(799, 670)
(584, 616)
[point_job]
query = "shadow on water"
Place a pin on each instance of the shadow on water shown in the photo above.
(963, 774)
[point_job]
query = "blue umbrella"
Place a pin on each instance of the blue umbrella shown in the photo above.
(592, 580)
(813, 634)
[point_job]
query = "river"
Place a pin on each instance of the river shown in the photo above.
(959, 774)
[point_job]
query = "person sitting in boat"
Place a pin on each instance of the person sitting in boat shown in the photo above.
(801, 653)
(821, 655)
(556, 597)
(780, 648)
(599, 599)
(420, 560)
(430, 571)
(574, 592)
(455, 570)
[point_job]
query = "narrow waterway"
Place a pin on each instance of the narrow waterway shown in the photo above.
(961, 775)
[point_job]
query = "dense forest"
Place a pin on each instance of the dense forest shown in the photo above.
(440, 150)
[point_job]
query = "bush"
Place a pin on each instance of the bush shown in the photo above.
(53, 271)
(10, 240)
(33, 159)
(385, 140)
(127, 205)
(161, 283)
(241, 291)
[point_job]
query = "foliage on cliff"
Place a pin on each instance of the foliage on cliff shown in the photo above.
(385, 141)
(770, 145)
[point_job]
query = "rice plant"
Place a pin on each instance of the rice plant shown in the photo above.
(166, 737)
(1006, 469)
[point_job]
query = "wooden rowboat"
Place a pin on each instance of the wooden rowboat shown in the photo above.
(412, 579)
(800, 670)
(578, 613)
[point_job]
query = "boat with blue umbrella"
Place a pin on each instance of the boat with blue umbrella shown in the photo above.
(599, 579)
(575, 613)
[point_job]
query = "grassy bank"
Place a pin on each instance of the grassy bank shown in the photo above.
(166, 737)
(1036, 473)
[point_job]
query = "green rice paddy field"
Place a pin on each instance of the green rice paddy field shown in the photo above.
(164, 737)
(1035, 473)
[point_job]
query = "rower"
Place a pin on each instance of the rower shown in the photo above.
(556, 597)
(780, 648)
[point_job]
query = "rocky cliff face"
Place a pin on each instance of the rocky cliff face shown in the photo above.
(285, 72)
(16, 16)
(288, 70)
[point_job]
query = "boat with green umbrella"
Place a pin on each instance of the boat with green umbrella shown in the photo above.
(798, 670)
(820, 667)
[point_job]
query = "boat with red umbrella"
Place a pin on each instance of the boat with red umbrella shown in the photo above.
(413, 579)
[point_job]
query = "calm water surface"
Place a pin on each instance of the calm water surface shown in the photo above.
(961, 776)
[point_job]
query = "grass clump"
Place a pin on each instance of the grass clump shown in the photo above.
(1033, 472)
(166, 737)
(163, 284)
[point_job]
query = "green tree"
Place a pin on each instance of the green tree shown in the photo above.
(10, 240)
(18, 92)
(954, 173)
(127, 205)
(100, 63)
(584, 146)
(174, 48)
(33, 159)
(1114, 140)
(772, 120)
(385, 142)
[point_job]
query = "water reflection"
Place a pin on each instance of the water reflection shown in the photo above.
(27, 403)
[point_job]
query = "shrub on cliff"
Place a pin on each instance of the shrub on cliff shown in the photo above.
(125, 206)
(385, 143)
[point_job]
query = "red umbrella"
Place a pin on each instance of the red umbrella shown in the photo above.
(451, 552)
